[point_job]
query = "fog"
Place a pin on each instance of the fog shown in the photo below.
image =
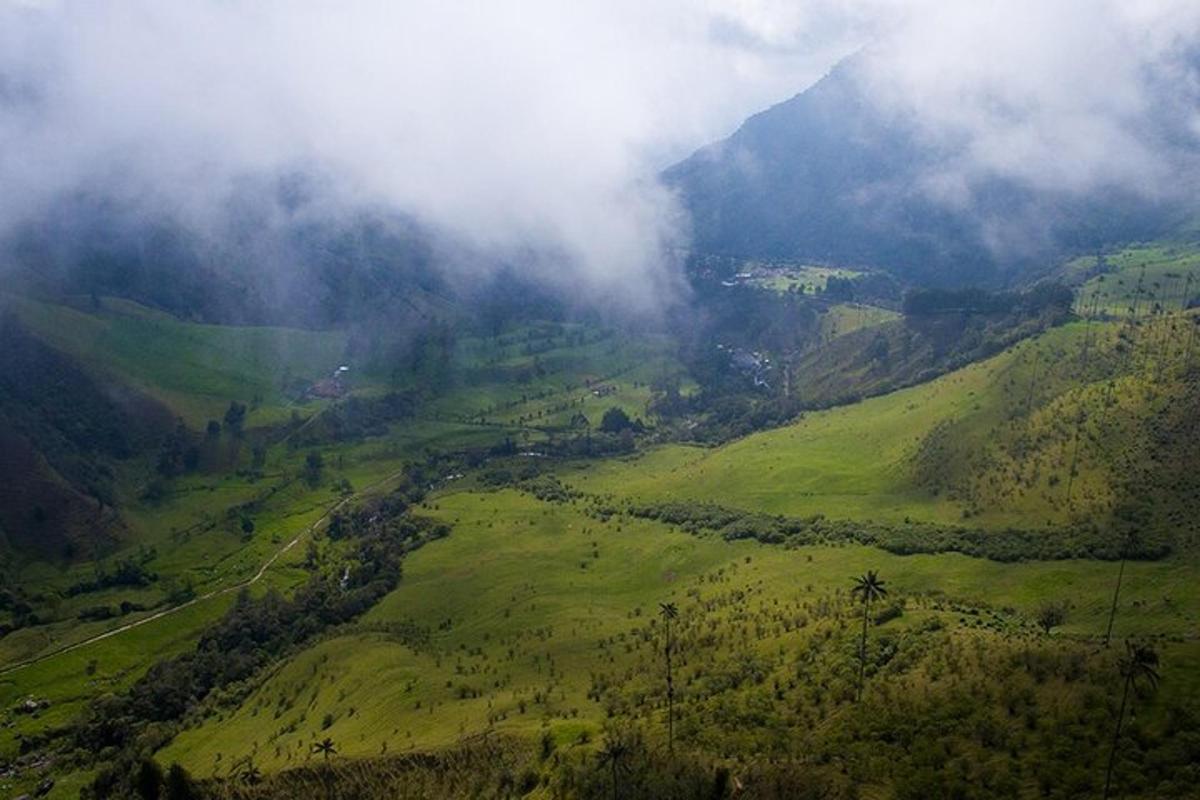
(534, 130)
(531, 127)
(1070, 95)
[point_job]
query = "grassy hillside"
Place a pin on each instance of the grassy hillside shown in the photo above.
(190, 540)
(1065, 428)
(194, 369)
(843, 318)
(537, 619)
(1136, 281)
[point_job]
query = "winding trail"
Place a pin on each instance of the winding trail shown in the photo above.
(5, 670)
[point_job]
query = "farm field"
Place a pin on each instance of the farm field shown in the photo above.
(806, 279)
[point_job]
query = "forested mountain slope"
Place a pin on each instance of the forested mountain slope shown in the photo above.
(833, 176)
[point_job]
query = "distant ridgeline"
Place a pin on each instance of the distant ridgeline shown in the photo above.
(258, 271)
(830, 177)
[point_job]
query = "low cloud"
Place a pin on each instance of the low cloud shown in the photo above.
(520, 128)
(533, 130)
(1068, 96)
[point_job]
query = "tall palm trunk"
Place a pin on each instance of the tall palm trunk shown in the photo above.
(1112, 612)
(670, 695)
(1074, 454)
(862, 651)
(1112, 753)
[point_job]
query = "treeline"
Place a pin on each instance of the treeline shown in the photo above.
(876, 288)
(118, 731)
(715, 417)
(356, 418)
(971, 300)
(126, 572)
(1006, 545)
(909, 538)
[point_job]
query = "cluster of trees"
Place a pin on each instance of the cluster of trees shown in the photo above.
(980, 725)
(1043, 297)
(1081, 541)
(184, 451)
(14, 601)
(876, 288)
(131, 572)
(102, 612)
(714, 416)
(357, 417)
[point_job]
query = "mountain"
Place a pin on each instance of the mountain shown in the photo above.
(831, 176)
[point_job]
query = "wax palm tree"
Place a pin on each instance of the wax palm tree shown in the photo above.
(867, 588)
(251, 774)
(669, 612)
(325, 747)
(613, 753)
(1131, 539)
(1139, 666)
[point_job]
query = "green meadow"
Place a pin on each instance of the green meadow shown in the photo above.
(507, 624)
(807, 279)
(1035, 437)
(843, 318)
(195, 369)
(1136, 280)
(192, 536)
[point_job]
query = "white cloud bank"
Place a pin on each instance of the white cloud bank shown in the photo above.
(540, 124)
(516, 125)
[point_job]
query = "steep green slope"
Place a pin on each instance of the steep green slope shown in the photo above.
(1137, 280)
(195, 369)
(1069, 427)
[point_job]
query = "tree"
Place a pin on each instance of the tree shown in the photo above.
(149, 780)
(613, 753)
(615, 420)
(325, 747)
(251, 774)
(313, 464)
(179, 784)
(1139, 666)
(1050, 616)
(247, 526)
(213, 429)
(867, 588)
(235, 418)
(1126, 549)
(669, 612)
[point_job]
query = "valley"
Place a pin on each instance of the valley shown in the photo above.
(988, 497)
(599, 401)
